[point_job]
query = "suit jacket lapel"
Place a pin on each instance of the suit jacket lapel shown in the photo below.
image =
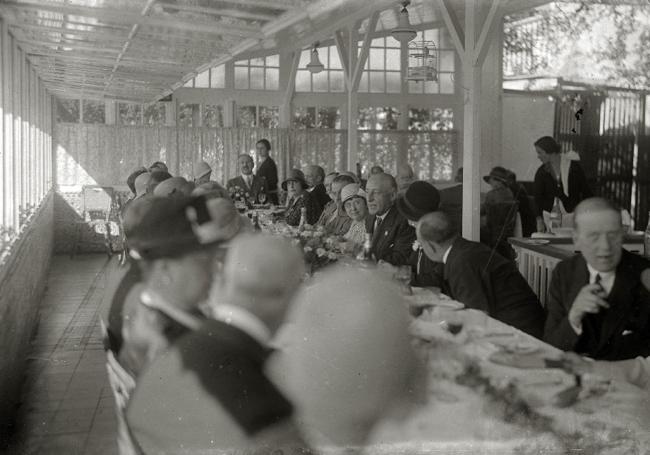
(378, 238)
(621, 300)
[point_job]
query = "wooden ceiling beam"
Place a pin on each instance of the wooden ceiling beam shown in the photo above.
(238, 14)
(110, 15)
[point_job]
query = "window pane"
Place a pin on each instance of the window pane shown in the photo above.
(323, 56)
(329, 117)
(129, 113)
(446, 60)
(185, 117)
(376, 59)
(273, 60)
(304, 58)
(241, 77)
(377, 42)
(431, 87)
(377, 82)
(320, 81)
(393, 59)
(335, 61)
(272, 78)
(246, 117)
(363, 82)
(202, 80)
(446, 83)
(213, 116)
(67, 111)
(94, 112)
(415, 87)
(218, 77)
(154, 114)
(241, 63)
(392, 42)
(303, 117)
(303, 81)
(257, 78)
(257, 62)
(337, 84)
(269, 116)
(189, 83)
(393, 82)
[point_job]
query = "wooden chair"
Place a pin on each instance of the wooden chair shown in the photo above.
(97, 206)
(501, 221)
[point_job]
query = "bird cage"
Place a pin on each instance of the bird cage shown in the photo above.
(423, 61)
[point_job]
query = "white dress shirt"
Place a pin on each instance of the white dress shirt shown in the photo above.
(248, 179)
(244, 320)
(446, 255)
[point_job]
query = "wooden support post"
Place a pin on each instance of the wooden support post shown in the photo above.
(352, 107)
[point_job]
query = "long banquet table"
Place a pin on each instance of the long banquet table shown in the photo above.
(490, 391)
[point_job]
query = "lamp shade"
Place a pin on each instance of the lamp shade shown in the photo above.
(403, 32)
(314, 65)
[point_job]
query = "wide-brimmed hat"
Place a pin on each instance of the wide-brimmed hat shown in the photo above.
(419, 199)
(350, 191)
(225, 221)
(497, 173)
(297, 176)
(201, 169)
(141, 183)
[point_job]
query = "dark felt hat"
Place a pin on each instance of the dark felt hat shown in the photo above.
(498, 173)
(419, 199)
(157, 227)
(295, 175)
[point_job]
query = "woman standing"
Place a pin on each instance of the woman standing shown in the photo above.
(560, 176)
(266, 168)
(298, 198)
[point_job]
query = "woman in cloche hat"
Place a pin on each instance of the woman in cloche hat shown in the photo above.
(298, 198)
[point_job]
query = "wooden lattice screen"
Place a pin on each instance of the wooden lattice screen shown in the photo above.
(609, 135)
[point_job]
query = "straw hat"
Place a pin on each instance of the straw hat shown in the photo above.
(225, 221)
(350, 191)
(141, 182)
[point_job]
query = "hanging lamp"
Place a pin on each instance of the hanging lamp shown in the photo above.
(404, 32)
(315, 66)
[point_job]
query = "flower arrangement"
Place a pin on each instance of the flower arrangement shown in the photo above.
(319, 249)
(240, 197)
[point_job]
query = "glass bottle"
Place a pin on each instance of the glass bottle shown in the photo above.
(366, 253)
(256, 222)
(303, 217)
(646, 240)
(556, 216)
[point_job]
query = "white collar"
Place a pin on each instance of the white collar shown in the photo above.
(244, 320)
(606, 278)
(446, 255)
(247, 178)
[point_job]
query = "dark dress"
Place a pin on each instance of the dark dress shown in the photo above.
(546, 188)
(269, 171)
(292, 215)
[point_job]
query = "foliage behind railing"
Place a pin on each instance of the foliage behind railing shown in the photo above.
(106, 154)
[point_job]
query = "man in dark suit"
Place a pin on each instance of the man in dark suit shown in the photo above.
(419, 199)
(315, 176)
(216, 395)
(392, 237)
(247, 181)
(268, 170)
(597, 304)
(451, 202)
(478, 277)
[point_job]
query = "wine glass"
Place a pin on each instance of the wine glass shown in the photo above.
(451, 320)
(403, 276)
(262, 198)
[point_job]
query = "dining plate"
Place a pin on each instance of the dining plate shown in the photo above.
(536, 241)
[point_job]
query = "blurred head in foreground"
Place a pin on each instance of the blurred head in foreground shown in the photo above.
(349, 357)
(261, 274)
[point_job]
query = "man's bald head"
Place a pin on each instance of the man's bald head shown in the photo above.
(405, 176)
(435, 232)
(315, 175)
(593, 205)
(382, 191)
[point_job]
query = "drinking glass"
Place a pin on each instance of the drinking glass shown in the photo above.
(403, 276)
(262, 198)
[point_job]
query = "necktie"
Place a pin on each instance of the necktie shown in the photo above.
(375, 230)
